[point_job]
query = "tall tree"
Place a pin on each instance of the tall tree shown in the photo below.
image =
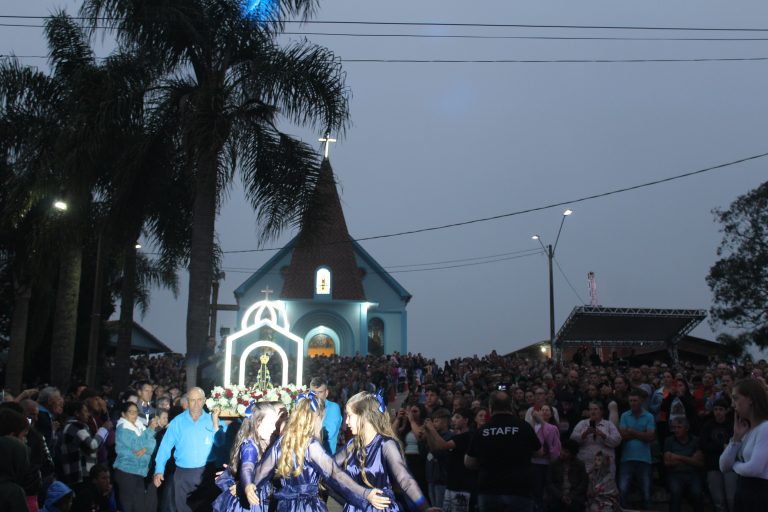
(31, 117)
(17, 199)
(739, 279)
(149, 192)
(233, 82)
(79, 135)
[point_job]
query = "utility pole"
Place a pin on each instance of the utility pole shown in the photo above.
(550, 256)
(550, 252)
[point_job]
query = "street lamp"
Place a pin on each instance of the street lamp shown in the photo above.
(60, 205)
(550, 251)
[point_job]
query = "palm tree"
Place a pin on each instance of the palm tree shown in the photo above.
(232, 82)
(149, 192)
(64, 136)
(32, 114)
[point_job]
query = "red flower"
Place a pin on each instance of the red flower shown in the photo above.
(228, 393)
(217, 395)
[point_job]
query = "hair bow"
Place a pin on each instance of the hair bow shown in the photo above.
(311, 396)
(380, 397)
(249, 410)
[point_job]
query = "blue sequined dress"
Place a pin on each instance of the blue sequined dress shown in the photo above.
(300, 493)
(384, 465)
(249, 458)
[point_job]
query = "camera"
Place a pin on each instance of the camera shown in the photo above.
(502, 386)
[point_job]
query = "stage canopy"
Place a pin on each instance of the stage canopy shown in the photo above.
(626, 327)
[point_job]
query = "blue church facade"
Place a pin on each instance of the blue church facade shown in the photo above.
(337, 298)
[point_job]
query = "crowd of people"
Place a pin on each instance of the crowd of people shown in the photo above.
(400, 432)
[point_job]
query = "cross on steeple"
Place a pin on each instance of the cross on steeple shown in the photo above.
(266, 291)
(327, 140)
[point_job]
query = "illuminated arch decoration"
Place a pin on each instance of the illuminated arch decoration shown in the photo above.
(265, 313)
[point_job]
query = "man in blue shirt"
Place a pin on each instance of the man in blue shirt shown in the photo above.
(193, 434)
(332, 420)
(638, 430)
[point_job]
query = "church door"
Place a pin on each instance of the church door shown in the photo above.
(321, 344)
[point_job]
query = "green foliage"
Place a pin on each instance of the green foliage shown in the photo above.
(226, 86)
(739, 279)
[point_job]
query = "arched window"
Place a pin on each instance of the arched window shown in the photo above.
(376, 336)
(323, 281)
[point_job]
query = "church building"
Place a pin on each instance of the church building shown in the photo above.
(337, 298)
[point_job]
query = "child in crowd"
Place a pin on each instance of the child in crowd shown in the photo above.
(251, 442)
(374, 457)
(299, 459)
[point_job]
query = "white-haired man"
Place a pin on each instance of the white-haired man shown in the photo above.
(193, 434)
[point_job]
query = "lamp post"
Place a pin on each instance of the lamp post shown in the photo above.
(550, 251)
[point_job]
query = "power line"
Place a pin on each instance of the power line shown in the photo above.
(547, 61)
(544, 38)
(504, 61)
(465, 259)
(530, 210)
(451, 24)
(526, 252)
(568, 281)
(240, 270)
(468, 36)
(564, 203)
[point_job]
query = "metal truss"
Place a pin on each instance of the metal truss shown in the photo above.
(691, 317)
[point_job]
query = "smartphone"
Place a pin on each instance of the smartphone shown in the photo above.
(592, 424)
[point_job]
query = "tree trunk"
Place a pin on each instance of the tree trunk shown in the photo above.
(201, 260)
(19, 322)
(125, 330)
(96, 323)
(65, 316)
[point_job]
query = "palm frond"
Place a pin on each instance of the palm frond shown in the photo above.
(279, 173)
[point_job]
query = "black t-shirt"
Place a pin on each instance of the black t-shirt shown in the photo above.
(504, 447)
(459, 477)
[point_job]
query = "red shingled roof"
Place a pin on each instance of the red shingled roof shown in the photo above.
(324, 241)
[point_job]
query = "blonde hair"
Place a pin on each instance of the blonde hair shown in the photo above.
(366, 407)
(303, 424)
(250, 430)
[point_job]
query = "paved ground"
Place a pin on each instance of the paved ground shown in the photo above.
(333, 506)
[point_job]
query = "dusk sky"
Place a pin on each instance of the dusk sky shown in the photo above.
(431, 144)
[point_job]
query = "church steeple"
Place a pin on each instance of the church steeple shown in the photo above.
(324, 243)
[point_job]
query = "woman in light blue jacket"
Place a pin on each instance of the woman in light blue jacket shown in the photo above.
(134, 445)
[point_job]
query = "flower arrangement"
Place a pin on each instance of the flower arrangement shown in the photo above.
(233, 400)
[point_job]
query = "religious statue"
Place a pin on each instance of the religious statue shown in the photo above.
(263, 379)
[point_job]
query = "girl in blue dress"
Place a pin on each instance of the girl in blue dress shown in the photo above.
(300, 461)
(377, 451)
(251, 441)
